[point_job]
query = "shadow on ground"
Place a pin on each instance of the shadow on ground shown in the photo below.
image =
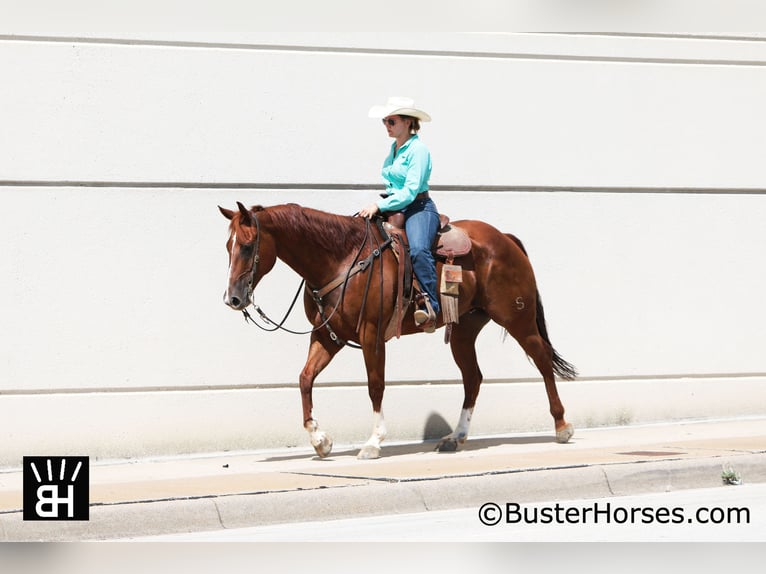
(435, 428)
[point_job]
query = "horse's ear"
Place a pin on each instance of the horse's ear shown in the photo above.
(247, 218)
(227, 213)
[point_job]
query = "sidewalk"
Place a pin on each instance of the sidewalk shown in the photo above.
(185, 494)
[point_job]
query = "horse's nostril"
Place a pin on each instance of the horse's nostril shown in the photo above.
(235, 302)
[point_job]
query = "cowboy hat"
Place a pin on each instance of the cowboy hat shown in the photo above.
(396, 106)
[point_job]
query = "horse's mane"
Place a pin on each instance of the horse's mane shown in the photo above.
(337, 234)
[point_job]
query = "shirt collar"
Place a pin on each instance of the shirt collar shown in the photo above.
(406, 144)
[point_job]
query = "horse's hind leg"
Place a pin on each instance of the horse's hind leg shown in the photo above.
(321, 353)
(462, 344)
(541, 353)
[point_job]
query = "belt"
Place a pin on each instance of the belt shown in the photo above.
(423, 195)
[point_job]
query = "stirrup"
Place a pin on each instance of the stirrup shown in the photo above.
(426, 318)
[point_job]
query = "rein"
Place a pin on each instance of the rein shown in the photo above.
(318, 294)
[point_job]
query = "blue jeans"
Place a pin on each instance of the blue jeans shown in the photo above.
(421, 222)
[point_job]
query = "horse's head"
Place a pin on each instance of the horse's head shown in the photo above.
(252, 254)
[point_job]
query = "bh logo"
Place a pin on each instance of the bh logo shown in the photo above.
(56, 488)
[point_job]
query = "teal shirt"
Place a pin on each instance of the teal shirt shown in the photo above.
(406, 173)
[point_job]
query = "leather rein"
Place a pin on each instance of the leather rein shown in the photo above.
(318, 294)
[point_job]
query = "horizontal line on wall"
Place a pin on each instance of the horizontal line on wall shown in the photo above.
(602, 189)
(184, 185)
(610, 189)
(385, 51)
(664, 36)
(362, 384)
(370, 186)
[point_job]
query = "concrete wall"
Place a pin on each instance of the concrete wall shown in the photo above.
(631, 167)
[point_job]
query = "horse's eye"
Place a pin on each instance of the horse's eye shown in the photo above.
(246, 250)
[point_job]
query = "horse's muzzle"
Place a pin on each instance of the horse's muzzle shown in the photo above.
(234, 302)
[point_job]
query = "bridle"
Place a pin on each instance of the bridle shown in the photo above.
(318, 294)
(251, 289)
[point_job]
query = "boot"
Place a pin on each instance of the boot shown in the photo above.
(426, 318)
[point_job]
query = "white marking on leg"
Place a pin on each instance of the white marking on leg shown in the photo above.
(461, 432)
(320, 440)
(378, 431)
(371, 448)
(459, 435)
(315, 435)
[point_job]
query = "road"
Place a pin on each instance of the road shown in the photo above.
(657, 517)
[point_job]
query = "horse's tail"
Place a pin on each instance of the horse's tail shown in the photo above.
(561, 367)
(518, 242)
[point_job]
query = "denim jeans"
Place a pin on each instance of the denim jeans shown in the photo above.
(421, 222)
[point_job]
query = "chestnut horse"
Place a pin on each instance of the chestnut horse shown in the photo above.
(349, 305)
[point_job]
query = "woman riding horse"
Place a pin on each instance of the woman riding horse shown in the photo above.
(406, 171)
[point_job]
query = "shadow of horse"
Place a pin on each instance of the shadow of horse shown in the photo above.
(428, 445)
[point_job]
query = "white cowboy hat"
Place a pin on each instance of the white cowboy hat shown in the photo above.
(396, 106)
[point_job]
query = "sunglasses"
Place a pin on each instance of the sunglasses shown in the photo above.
(389, 121)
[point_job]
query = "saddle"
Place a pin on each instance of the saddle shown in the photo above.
(450, 242)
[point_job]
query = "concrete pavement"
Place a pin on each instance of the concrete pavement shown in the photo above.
(717, 514)
(186, 494)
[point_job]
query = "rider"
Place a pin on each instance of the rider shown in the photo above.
(406, 171)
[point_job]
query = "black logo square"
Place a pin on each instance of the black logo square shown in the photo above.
(56, 487)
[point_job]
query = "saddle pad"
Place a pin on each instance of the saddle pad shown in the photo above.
(452, 241)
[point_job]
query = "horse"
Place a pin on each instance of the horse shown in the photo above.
(337, 256)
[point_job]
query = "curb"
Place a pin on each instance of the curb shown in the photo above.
(377, 497)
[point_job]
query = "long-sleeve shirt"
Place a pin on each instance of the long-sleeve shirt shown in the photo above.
(406, 172)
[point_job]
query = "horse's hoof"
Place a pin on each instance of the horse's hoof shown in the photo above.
(447, 445)
(368, 452)
(324, 447)
(563, 435)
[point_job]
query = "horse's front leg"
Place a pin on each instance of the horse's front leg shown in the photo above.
(375, 361)
(463, 345)
(321, 352)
